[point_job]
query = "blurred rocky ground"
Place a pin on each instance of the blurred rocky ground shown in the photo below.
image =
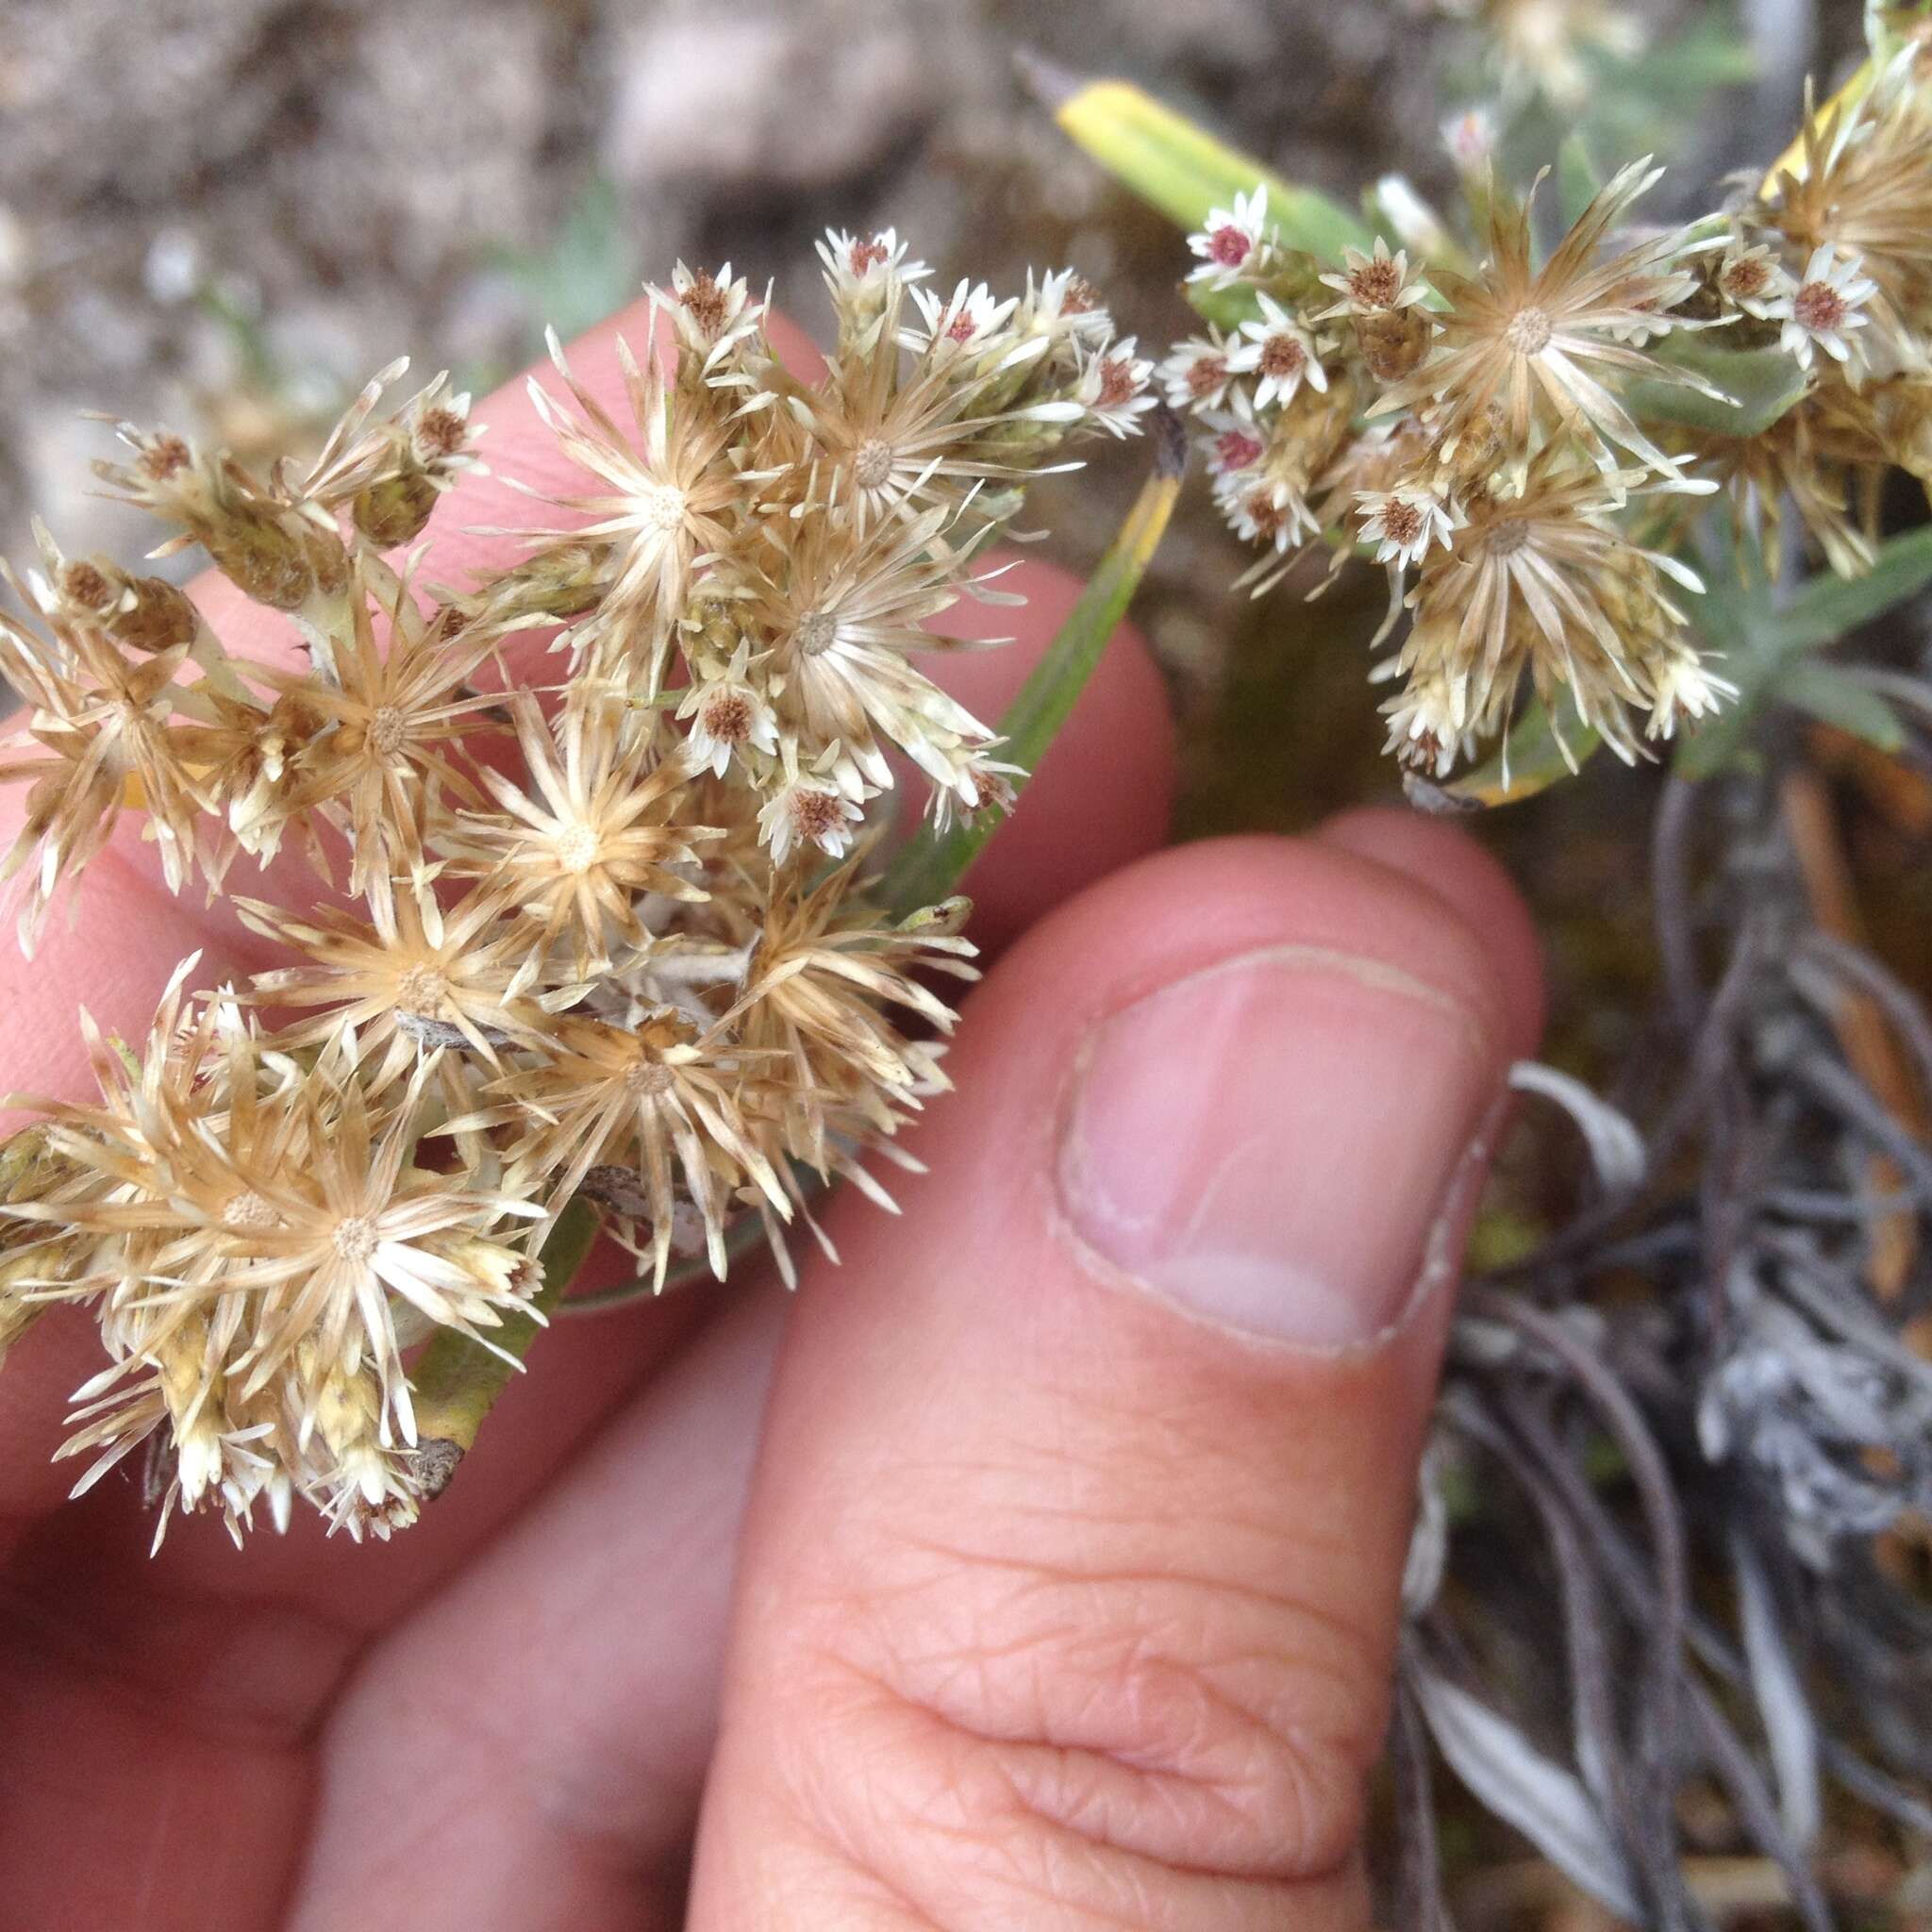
(225, 213)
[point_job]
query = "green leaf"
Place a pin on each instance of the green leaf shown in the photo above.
(1531, 759)
(932, 863)
(1824, 692)
(1705, 752)
(1829, 607)
(1760, 386)
(1766, 647)
(1182, 169)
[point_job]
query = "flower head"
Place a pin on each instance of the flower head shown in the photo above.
(1373, 284)
(1537, 344)
(730, 715)
(1751, 278)
(660, 505)
(1827, 309)
(1407, 523)
(653, 1099)
(1543, 584)
(1198, 373)
(265, 1243)
(1232, 242)
(1279, 352)
(808, 809)
(573, 856)
(1113, 388)
(713, 316)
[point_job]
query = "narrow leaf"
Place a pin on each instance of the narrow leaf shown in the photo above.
(1177, 165)
(1825, 692)
(932, 863)
(1713, 744)
(1784, 1710)
(1523, 1788)
(1770, 664)
(1761, 384)
(1616, 1148)
(1829, 607)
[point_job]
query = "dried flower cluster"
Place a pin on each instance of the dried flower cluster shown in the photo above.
(607, 932)
(1520, 444)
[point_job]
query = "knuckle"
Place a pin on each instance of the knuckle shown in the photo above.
(1084, 1731)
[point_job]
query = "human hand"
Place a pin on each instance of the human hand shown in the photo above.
(1058, 1586)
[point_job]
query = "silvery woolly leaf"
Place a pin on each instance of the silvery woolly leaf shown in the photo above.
(1523, 1788)
(1616, 1148)
(1782, 1705)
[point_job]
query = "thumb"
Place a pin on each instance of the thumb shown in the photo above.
(1070, 1587)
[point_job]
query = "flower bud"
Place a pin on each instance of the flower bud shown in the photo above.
(1392, 341)
(154, 615)
(395, 509)
(271, 564)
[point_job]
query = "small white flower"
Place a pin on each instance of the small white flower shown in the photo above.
(1196, 374)
(1428, 725)
(1685, 691)
(1280, 352)
(866, 264)
(970, 322)
(710, 314)
(1235, 446)
(1372, 284)
(1232, 242)
(1113, 388)
(1755, 281)
(1408, 522)
(1064, 305)
(727, 713)
(1470, 139)
(808, 809)
(1826, 308)
(1268, 513)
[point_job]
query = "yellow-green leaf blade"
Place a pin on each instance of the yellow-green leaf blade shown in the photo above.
(1178, 166)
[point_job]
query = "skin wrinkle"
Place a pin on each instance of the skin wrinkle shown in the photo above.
(1182, 1436)
(1099, 1859)
(1123, 1684)
(1034, 1766)
(1469, 1171)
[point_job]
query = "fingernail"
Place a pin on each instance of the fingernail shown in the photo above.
(1267, 1143)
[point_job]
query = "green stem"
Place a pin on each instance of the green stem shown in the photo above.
(456, 1381)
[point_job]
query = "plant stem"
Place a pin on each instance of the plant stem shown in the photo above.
(456, 1381)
